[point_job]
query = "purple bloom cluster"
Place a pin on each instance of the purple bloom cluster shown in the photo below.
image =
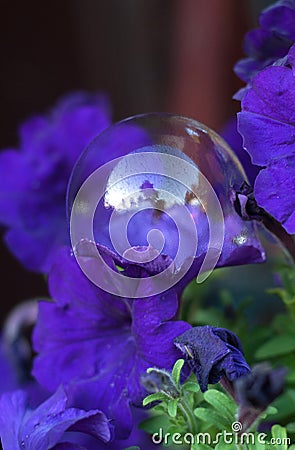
(34, 177)
(267, 117)
(267, 126)
(271, 42)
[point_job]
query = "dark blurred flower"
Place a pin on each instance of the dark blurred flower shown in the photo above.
(16, 353)
(103, 342)
(257, 390)
(266, 45)
(158, 380)
(260, 387)
(213, 354)
(9, 380)
(17, 330)
(45, 427)
(267, 126)
(34, 177)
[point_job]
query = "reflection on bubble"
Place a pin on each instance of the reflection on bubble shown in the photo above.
(162, 182)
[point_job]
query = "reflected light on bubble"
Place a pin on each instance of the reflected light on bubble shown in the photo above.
(159, 181)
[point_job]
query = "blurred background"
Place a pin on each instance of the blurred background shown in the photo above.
(148, 55)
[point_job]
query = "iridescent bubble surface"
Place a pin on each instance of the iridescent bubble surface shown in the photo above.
(164, 182)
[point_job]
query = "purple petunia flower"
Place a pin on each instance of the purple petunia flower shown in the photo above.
(257, 390)
(101, 342)
(34, 177)
(213, 353)
(266, 45)
(172, 188)
(267, 126)
(137, 437)
(45, 427)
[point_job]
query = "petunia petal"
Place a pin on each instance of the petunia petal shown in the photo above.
(103, 343)
(34, 179)
(43, 427)
(275, 191)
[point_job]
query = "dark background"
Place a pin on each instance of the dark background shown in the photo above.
(148, 55)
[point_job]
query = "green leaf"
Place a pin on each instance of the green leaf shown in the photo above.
(134, 447)
(153, 424)
(291, 427)
(271, 410)
(221, 445)
(280, 434)
(256, 446)
(157, 396)
(160, 408)
(211, 418)
(191, 401)
(279, 345)
(285, 406)
(291, 395)
(172, 407)
(191, 386)
(221, 403)
(173, 429)
(176, 371)
(200, 447)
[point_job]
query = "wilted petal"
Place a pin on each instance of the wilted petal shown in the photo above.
(212, 353)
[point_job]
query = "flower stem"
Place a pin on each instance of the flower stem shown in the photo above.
(188, 415)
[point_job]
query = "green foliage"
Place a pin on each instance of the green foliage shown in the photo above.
(261, 314)
(222, 404)
(264, 320)
(157, 396)
(276, 346)
(199, 418)
(287, 291)
(176, 371)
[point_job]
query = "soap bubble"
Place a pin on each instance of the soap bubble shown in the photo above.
(154, 184)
